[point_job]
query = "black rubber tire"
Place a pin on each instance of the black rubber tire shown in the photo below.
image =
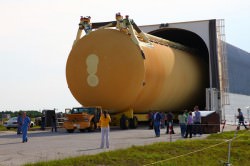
(70, 130)
(124, 123)
(133, 123)
(82, 130)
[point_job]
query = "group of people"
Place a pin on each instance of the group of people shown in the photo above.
(189, 124)
(164, 119)
(23, 125)
(159, 120)
(53, 121)
(23, 122)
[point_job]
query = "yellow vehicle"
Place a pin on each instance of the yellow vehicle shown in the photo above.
(82, 118)
(87, 118)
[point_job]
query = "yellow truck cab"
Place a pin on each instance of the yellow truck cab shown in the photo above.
(82, 118)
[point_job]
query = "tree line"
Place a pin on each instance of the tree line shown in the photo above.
(30, 113)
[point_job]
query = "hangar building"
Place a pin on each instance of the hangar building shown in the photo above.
(229, 67)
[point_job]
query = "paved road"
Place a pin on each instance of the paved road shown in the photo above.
(44, 145)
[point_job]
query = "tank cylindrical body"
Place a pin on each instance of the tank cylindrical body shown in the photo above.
(106, 68)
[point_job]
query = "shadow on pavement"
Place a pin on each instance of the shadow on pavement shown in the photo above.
(11, 143)
(88, 149)
(42, 134)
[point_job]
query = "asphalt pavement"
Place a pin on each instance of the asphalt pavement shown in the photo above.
(45, 145)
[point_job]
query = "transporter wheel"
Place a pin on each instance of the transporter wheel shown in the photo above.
(82, 130)
(133, 123)
(124, 122)
(70, 130)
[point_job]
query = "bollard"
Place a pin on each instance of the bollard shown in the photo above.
(227, 164)
(170, 131)
(229, 152)
(223, 125)
(229, 148)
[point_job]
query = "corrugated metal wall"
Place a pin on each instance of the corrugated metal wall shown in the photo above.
(238, 70)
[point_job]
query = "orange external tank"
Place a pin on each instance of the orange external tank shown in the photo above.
(106, 68)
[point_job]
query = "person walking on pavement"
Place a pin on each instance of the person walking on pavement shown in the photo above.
(182, 123)
(157, 122)
(25, 127)
(241, 120)
(53, 123)
(197, 120)
(189, 125)
(43, 122)
(169, 124)
(19, 123)
(163, 117)
(104, 123)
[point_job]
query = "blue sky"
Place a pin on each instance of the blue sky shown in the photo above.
(36, 37)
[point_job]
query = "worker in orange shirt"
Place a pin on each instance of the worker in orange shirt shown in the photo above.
(104, 123)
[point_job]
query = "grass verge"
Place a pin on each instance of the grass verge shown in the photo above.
(2, 128)
(179, 153)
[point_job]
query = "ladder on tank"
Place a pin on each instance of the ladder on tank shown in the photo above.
(222, 63)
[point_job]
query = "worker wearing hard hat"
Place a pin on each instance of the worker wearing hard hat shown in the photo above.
(85, 24)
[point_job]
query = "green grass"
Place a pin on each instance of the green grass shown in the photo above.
(190, 152)
(2, 128)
